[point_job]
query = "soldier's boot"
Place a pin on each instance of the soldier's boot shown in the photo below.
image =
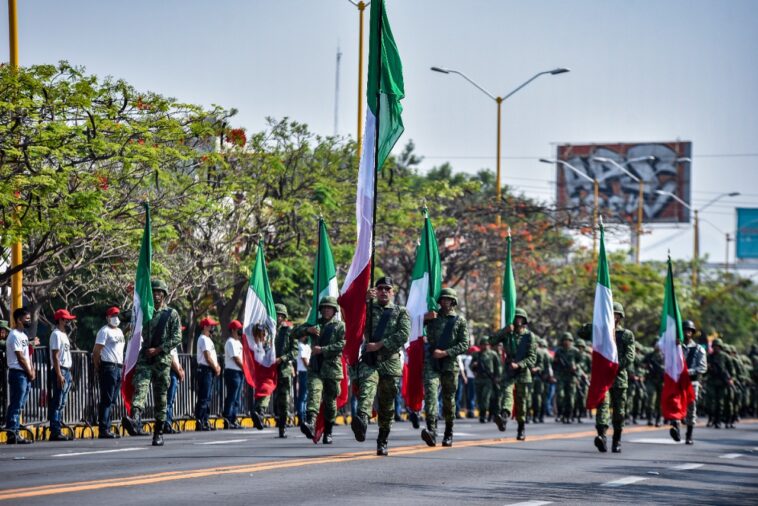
(359, 426)
(281, 424)
(168, 429)
(257, 420)
(158, 434)
(542, 418)
(710, 421)
(381, 442)
(688, 436)
(133, 424)
(616, 447)
(649, 420)
(327, 439)
(413, 417)
(601, 441)
(521, 434)
(500, 420)
(658, 421)
(447, 438)
(674, 432)
(429, 435)
(306, 427)
(15, 438)
(482, 419)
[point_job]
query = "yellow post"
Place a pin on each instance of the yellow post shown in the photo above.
(16, 251)
(695, 253)
(498, 196)
(361, 8)
(596, 186)
(640, 207)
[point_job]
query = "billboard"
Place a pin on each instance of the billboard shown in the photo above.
(667, 171)
(747, 233)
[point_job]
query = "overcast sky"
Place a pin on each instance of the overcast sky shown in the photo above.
(641, 71)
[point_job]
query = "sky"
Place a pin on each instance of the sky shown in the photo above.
(641, 71)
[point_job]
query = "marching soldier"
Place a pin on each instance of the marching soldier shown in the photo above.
(487, 367)
(654, 385)
(286, 354)
(584, 369)
(637, 394)
(163, 334)
(446, 338)
(380, 365)
(615, 398)
(542, 373)
(520, 356)
(719, 383)
(566, 365)
(697, 365)
(324, 367)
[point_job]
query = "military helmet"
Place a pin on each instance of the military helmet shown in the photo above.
(4, 325)
(618, 308)
(717, 342)
(281, 309)
(484, 340)
(329, 301)
(566, 336)
(522, 313)
(450, 293)
(585, 331)
(689, 324)
(580, 343)
(159, 284)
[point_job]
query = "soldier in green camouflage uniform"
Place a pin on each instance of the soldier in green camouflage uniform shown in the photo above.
(161, 335)
(566, 365)
(615, 398)
(753, 355)
(637, 395)
(325, 367)
(446, 338)
(380, 368)
(285, 347)
(654, 385)
(719, 384)
(542, 372)
(487, 368)
(584, 370)
(520, 356)
(734, 396)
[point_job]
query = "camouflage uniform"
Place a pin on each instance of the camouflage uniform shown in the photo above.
(697, 365)
(541, 374)
(487, 368)
(637, 395)
(566, 363)
(584, 370)
(653, 363)
(719, 377)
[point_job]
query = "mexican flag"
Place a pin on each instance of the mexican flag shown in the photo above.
(677, 391)
(508, 307)
(605, 358)
(142, 312)
(425, 289)
(384, 125)
(259, 359)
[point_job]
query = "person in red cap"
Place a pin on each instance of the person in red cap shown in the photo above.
(233, 375)
(108, 360)
(60, 363)
(207, 367)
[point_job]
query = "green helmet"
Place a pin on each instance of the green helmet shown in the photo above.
(281, 309)
(618, 308)
(484, 340)
(585, 331)
(449, 293)
(522, 313)
(581, 343)
(566, 336)
(689, 324)
(159, 284)
(717, 342)
(329, 301)
(4, 325)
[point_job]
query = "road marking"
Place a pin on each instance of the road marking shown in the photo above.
(99, 451)
(530, 503)
(730, 456)
(145, 479)
(656, 441)
(228, 441)
(624, 481)
(687, 467)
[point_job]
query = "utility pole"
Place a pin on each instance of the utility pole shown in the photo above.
(337, 91)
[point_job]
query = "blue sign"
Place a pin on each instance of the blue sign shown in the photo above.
(747, 233)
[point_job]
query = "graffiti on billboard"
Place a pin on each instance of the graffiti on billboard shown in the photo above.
(664, 169)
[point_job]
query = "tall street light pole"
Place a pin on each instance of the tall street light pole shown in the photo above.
(640, 198)
(596, 191)
(361, 8)
(17, 278)
(498, 181)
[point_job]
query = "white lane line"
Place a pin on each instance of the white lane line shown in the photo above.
(731, 456)
(656, 441)
(687, 467)
(96, 452)
(228, 441)
(530, 503)
(624, 481)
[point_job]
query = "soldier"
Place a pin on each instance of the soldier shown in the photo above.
(697, 365)
(719, 382)
(207, 368)
(285, 346)
(732, 394)
(446, 338)
(487, 368)
(108, 359)
(162, 334)
(60, 378)
(520, 356)
(233, 375)
(654, 385)
(615, 398)
(21, 374)
(324, 367)
(542, 372)
(566, 363)
(380, 365)
(584, 369)
(637, 395)
(5, 329)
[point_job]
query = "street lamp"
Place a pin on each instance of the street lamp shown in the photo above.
(596, 191)
(696, 225)
(499, 101)
(641, 198)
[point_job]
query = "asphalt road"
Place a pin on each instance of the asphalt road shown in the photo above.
(556, 464)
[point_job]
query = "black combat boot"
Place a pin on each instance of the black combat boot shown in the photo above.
(447, 439)
(133, 424)
(658, 421)
(158, 434)
(429, 435)
(413, 417)
(281, 423)
(674, 432)
(327, 439)
(381, 442)
(359, 426)
(520, 434)
(482, 419)
(257, 420)
(501, 420)
(107, 434)
(688, 436)
(601, 441)
(168, 429)
(306, 427)
(616, 447)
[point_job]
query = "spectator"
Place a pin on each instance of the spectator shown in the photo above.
(20, 374)
(60, 379)
(207, 367)
(176, 376)
(108, 360)
(233, 375)
(303, 358)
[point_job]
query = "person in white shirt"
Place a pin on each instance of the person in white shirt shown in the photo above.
(108, 359)
(233, 375)
(60, 379)
(176, 376)
(303, 358)
(21, 374)
(207, 367)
